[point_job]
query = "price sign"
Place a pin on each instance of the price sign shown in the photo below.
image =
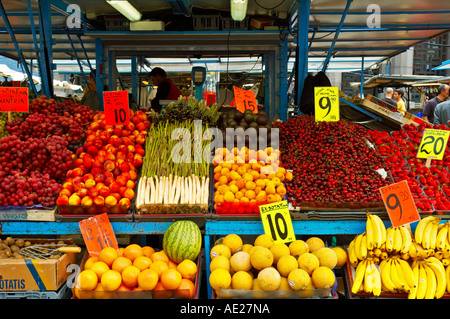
(14, 99)
(399, 204)
(116, 107)
(245, 100)
(433, 144)
(326, 102)
(277, 221)
(97, 234)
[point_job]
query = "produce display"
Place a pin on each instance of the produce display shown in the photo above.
(334, 164)
(429, 185)
(138, 271)
(106, 167)
(4, 120)
(264, 269)
(395, 261)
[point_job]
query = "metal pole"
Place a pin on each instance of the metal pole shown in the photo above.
(45, 39)
(78, 59)
(99, 70)
(283, 80)
(16, 45)
(362, 79)
(302, 46)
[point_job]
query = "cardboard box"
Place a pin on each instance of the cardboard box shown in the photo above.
(34, 274)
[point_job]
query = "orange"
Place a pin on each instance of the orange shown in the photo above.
(171, 279)
(187, 268)
(281, 190)
(130, 276)
(89, 262)
(289, 176)
(172, 265)
(250, 185)
(99, 268)
(159, 255)
(87, 280)
(120, 263)
(159, 267)
(120, 251)
(250, 194)
(133, 251)
(223, 189)
(217, 169)
(122, 287)
(186, 289)
(248, 177)
(240, 183)
(223, 180)
(148, 251)
(111, 280)
(147, 279)
(159, 292)
(217, 176)
(107, 255)
(142, 262)
(241, 170)
(238, 195)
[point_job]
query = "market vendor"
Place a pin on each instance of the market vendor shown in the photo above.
(428, 109)
(166, 89)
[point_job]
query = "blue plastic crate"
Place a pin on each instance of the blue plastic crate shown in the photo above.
(62, 293)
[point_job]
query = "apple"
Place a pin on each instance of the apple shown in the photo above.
(99, 178)
(125, 167)
(116, 171)
(62, 200)
(83, 192)
(125, 202)
(96, 170)
(111, 200)
(109, 165)
(87, 201)
(129, 193)
(93, 150)
(109, 179)
(104, 191)
(130, 184)
(99, 200)
(93, 192)
(114, 187)
(89, 183)
(74, 200)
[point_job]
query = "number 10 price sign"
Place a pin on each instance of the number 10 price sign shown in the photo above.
(116, 107)
(399, 204)
(277, 222)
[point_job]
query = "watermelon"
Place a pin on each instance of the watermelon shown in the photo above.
(182, 240)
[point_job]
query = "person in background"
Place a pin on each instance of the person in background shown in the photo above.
(398, 96)
(166, 89)
(429, 107)
(388, 97)
(442, 113)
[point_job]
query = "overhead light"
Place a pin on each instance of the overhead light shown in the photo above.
(126, 8)
(238, 9)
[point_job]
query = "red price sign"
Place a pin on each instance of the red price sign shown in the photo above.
(399, 204)
(14, 99)
(245, 100)
(117, 110)
(97, 234)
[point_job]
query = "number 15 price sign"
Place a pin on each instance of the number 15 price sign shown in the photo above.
(399, 203)
(277, 222)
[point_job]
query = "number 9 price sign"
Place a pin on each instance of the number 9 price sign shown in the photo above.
(326, 101)
(116, 107)
(399, 204)
(277, 222)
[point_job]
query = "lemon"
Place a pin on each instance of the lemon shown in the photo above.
(220, 279)
(327, 257)
(219, 262)
(308, 262)
(269, 279)
(241, 280)
(247, 248)
(298, 247)
(228, 196)
(220, 250)
(284, 284)
(341, 255)
(240, 261)
(234, 242)
(261, 257)
(298, 279)
(278, 250)
(323, 277)
(264, 240)
(314, 243)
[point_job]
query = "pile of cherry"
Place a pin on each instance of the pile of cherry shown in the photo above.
(430, 186)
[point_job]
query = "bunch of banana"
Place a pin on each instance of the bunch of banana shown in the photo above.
(398, 240)
(367, 278)
(431, 279)
(397, 275)
(426, 232)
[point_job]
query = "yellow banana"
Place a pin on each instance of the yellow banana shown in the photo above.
(369, 232)
(352, 254)
(445, 262)
(405, 256)
(434, 232)
(382, 228)
(398, 283)
(377, 252)
(386, 275)
(426, 239)
(357, 247)
(363, 246)
(439, 254)
(368, 280)
(439, 272)
(359, 276)
(422, 285)
(397, 240)
(377, 281)
(406, 239)
(418, 233)
(441, 237)
(401, 276)
(384, 255)
(431, 282)
(447, 277)
(389, 239)
(407, 272)
(412, 250)
(415, 270)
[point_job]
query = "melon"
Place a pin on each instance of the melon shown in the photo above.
(182, 240)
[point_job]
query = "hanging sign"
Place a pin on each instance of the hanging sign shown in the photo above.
(326, 103)
(433, 144)
(97, 234)
(245, 100)
(399, 203)
(14, 99)
(277, 221)
(117, 111)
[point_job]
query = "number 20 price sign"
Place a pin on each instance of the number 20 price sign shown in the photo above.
(116, 107)
(433, 144)
(277, 222)
(399, 203)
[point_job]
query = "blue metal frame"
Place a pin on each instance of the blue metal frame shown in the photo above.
(302, 43)
(134, 78)
(99, 76)
(361, 93)
(336, 35)
(283, 78)
(375, 117)
(45, 45)
(86, 81)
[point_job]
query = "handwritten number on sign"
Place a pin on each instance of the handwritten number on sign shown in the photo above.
(121, 117)
(282, 233)
(395, 205)
(429, 140)
(327, 106)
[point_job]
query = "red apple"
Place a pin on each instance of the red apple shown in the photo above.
(93, 192)
(93, 150)
(62, 200)
(99, 178)
(125, 167)
(96, 170)
(114, 187)
(104, 191)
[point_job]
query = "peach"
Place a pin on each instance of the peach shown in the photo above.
(125, 167)
(131, 148)
(94, 126)
(82, 192)
(89, 183)
(110, 148)
(117, 196)
(109, 180)
(99, 178)
(69, 186)
(108, 174)
(121, 155)
(114, 187)
(62, 200)
(87, 201)
(96, 170)
(109, 165)
(104, 136)
(125, 202)
(118, 141)
(137, 160)
(116, 171)
(129, 193)
(130, 127)
(110, 157)
(122, 190)
(77, 172)
(130, 184)
(140, 139)
(104, 191)
(133, 175)
(87, 176)
(99, 200)
(122, 148)
(78, 162)
(65, 192)
(74, 200)
(93, 150)
(111, 200)
(93, 192)
(101, 153)
(141, 126)
(99, 186)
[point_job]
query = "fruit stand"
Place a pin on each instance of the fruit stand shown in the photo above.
(64, 164)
